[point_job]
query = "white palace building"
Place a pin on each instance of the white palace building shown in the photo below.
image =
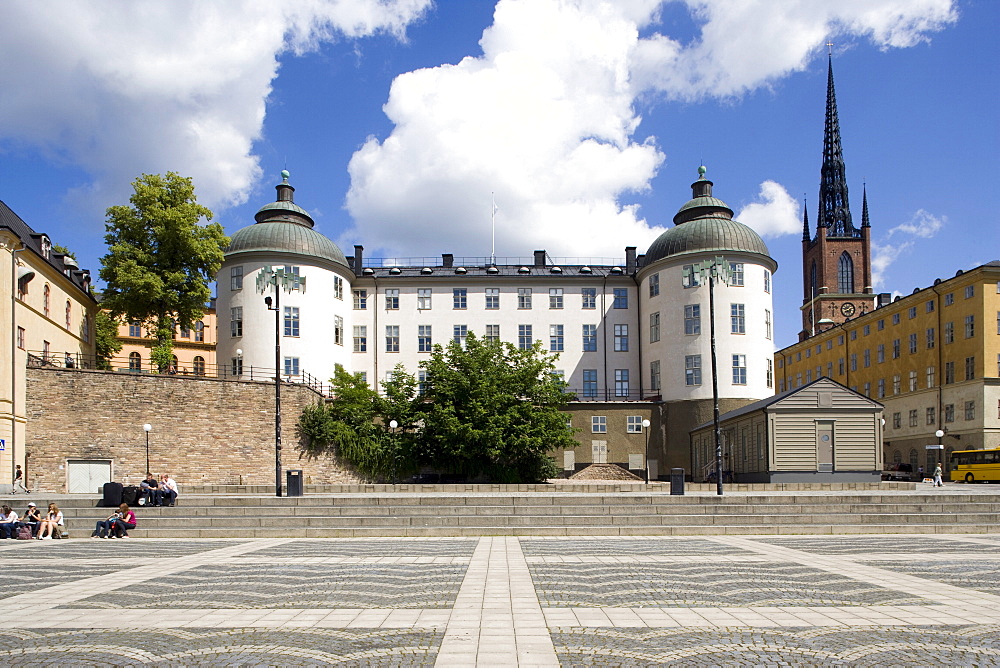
(633, 337)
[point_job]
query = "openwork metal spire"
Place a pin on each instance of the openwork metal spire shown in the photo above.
(805, 221)
(864, 207)
(834, 208)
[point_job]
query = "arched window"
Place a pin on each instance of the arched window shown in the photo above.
(897, 457)
(69, 314)
(173, 365)
(199, 331)
(46, 293)
(914, 459)
(134, 362)
(199, 366)
(845, 274)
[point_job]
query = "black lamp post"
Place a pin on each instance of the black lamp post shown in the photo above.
(147, 428)
(645, 428)
(715, 269)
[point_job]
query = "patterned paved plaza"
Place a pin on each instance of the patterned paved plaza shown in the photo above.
(503, 601)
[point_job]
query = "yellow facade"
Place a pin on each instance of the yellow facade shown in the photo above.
(931, 357)
(194, 349)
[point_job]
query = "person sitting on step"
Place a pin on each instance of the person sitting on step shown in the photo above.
(168, 488)
(32, 518)
(52, 524)
(8, 522)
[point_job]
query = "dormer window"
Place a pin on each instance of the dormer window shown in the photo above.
(46, 248)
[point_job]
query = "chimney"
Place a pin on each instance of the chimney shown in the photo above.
(447, 260)
(630, 259)
(539, 258)
(359, 252)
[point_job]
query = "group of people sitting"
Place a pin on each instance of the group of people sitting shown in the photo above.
(42, 528)
(117, 524)
(158, 493)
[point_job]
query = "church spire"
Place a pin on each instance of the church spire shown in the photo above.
(834, 208)
(864, 206)
(805, 220)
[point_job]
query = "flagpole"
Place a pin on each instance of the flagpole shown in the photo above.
(493, 229)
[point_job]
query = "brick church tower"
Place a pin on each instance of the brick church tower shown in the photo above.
(836, 262)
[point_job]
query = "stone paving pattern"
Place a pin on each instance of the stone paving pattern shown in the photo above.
(503, 601)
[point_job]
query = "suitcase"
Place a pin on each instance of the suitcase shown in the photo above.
(112, 495)
(130, 495)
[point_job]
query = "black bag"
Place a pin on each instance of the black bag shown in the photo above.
(130, 495)
(112, 495)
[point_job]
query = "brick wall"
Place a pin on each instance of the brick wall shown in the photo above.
(204, 430)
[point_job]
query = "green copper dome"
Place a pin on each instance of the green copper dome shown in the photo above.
(705, 224)
(285, 227)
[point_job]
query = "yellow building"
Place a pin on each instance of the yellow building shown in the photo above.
(46, 314)
(194, 349)
(931, 357)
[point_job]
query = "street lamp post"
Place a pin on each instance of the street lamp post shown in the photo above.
(645, 428)
(147, 428)
(395, 447)
(940, 437)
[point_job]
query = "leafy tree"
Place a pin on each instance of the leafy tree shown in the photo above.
(59, 248)
(493, 410)
(106, 343)
(161, 258)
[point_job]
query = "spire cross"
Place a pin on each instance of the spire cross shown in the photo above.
(829, 48)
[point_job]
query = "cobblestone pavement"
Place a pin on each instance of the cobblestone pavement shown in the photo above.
(504, 601)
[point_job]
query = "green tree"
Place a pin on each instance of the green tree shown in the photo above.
(59, 248)
(106, 343)
(161, 258)
(493, 410)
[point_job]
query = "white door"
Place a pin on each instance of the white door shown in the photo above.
(87, 476)
(599, 450)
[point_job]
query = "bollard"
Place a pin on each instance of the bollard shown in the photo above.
(677, 482)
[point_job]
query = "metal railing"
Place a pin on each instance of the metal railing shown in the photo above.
(436, 261)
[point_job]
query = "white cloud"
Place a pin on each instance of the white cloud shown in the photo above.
(546, 119)
(775, 213)
(900, 239)
(156, 86)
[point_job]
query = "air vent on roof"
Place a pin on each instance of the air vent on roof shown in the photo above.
(461, 270)
(959, 272)
(492, 270)
(524, 270)
(586, 270)
(616, 270)
(368, 271)
(915, 291)
(426, 270)
(555, 270)
(394, 271)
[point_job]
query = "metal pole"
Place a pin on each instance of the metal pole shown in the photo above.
(715, 384)
(147, 454)
(277, 389)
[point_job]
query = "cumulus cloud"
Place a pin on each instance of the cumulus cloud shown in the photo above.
(900, 239)
(128, 88)
(546, 118)
(775, 213)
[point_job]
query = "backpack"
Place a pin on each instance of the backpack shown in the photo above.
(24, 533)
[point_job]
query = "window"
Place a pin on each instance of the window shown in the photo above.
(135, 329)
(881, 388)
(970, 368)
(767, 324)
(621, 338)
(737, 317)
(69, 315)
(970, 410)
(621, 383)
(236, 321)
(361, 338)
(338, 330)
(524, 338)
(555, 298)
(236, 278)
(291, 321)
(293, 272)
(840, 366)
(868, 358)
(736, 273)
(654, 326)
(421, 382)
(20, 338)
(492, 299)
(868, 389)
(931, 415)
(692, 319)
(829, 369)
(689, 278)
(880, 353)
(621, 298)
(135, 363)
(911, 312)
(949, 332)
(896, 420)
(589, 338)
(556, 338)
(845, 274)
(392, 338)
(930, 377)
(739, 369)
(949, 373)
(767, 281)
(913, 343)
(634, 423)
(338, 288)
(998, 322)
(866, 330)
(424, 299)
(949, 299)
(895, 318)
(459, 298)
(654, 375)
(654, 285)
(692, 370)
(589, 298)
(854, 335)
(291, 366)
(913, 418)
(929, 307)
(360, 300)
(930, 338)
(854, 361)
(770, 372)
(809, 375)
(949, 412)
(392, 299)
(524, 298)
(970, 323)
(198, 365)
(590, 383)
(896, 385)
(460, 333)
(880, 325)
(970, 291)
(913, 380)
(185, 333)
(492, 332)
(599, 424)
(895, 349)
(46, 294)
(86, 328)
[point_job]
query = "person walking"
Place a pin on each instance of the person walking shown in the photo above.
(19, 480)
(937, 476)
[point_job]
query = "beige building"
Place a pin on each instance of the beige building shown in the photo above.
(931, 357)
(46, 313)
(194, 349)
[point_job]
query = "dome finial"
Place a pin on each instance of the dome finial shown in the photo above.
(701, 171)
(285, 175)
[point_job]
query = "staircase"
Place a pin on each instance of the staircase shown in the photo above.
(619, 509)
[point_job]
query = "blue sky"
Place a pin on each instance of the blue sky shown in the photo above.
(588, 120)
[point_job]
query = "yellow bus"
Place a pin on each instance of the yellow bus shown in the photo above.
(975, 465)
